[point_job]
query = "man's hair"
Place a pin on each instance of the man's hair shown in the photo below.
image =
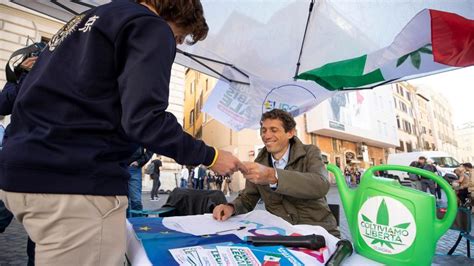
(422, 158)
(187, 14)
(285, 117)
(467, 165)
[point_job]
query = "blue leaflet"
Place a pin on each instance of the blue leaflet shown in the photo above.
(157, 239)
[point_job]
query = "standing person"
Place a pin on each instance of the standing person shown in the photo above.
(7, 99)
(464, 172)
(196, 177)
(138, 159)
(100, 88)
(184, 176)
(212, 180)
(219, 180)
(437, 187)
(287, 175)
(156, 179)
(226, 185)
(427, 183)
(191, 182)
(201, 176)
(416, 179)
(348, 175)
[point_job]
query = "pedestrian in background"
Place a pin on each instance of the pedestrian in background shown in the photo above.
(226, 185)
(427, 183)
(184, 176)
(135, 163)
(416, 179)
(155, 176)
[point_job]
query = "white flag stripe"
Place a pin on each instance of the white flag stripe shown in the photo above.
(414, 35)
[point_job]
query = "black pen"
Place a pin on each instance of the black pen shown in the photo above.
(236, 229)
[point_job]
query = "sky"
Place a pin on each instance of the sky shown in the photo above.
(458, 88)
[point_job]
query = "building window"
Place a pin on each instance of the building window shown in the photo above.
(334, 145)
(207, 84)
(408, 96)
(407, 127)
(198, 107)
(191, 118)
(409, 147)
(201, 100)
(398, 123)
(427, 145)
(403, 107)
(191, 88)
(395, 102)
(402, 146)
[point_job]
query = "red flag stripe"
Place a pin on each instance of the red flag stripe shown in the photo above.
(452, 38)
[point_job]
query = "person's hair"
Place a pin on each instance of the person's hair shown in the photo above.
(422, 158)
(187, 14)
(467, 165)
(285, 117)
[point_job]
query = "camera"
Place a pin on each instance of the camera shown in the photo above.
(13, 69)
(38, 48)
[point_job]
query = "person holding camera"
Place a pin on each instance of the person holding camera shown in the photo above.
(7, 100)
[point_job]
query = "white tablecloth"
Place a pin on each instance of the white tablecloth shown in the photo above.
(257, 221)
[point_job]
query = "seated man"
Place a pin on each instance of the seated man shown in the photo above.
(294, 188)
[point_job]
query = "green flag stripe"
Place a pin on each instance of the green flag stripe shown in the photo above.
(343, 74)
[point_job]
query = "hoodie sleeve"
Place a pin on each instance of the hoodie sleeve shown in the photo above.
(145, 51)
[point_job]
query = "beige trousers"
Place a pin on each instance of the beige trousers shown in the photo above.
(72, 229)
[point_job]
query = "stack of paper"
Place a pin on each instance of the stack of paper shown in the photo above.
(230, 254)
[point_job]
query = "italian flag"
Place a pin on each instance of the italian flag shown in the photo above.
(433, 41)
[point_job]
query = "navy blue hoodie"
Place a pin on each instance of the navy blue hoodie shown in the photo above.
(100, 87)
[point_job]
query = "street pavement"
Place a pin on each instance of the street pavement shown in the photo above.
(13, 241)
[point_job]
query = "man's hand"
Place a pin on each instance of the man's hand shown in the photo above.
(227, 164)
(134, 164)
(260, 174)
(222, 212)
(28, 63)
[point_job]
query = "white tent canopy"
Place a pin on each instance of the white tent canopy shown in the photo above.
(263, 38)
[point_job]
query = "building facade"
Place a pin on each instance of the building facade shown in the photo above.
(355, 129)
(441, 121)
(465, 138)
(404, 98)
(423, 122)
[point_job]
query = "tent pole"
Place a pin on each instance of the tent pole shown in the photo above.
(311, 5)
(64, 7)
(195, 58)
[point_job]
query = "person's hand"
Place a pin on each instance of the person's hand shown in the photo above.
(28, 63)
(222, 212)
(260, 174)
(134, 164)
(227, 164)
